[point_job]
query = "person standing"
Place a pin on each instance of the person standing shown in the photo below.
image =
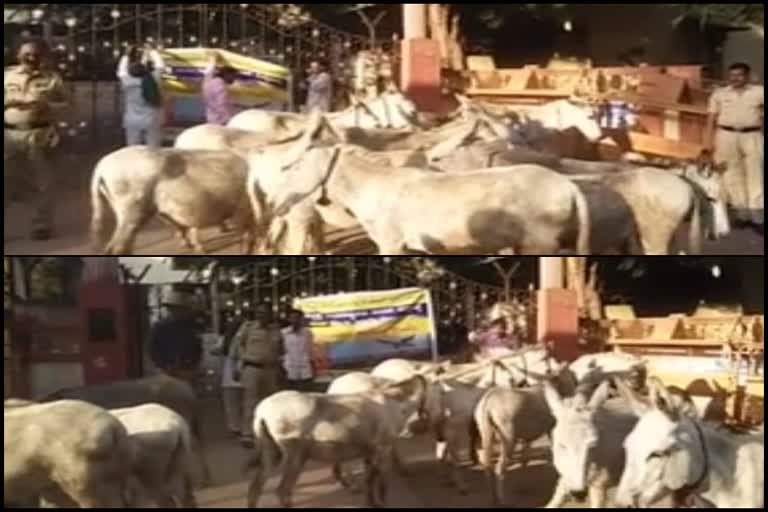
(297, 352)
(735, 136)
(257, 352)
(231, 387)
(495, 340)
(219, 103)
(176, 347)
(33, 97)
(319, 88)
(140, 75)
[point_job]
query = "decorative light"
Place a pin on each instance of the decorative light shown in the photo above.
(116, 54)
(453, 285)
(72, 57)
(387, 260)
(107, 44)
(717, 272)
(192, 39)
(81, 49)
(243, 6)
(215, 40)
(38, 13)
(315, 33)
(70, 22)
(568, 26)
(274, 271)
(312, 259)
(115, 14)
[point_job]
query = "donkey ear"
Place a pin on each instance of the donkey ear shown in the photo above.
(554, 400)
(661, 399)
(635, 401)
(600, 396)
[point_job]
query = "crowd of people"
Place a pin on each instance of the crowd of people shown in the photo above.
(140, 73)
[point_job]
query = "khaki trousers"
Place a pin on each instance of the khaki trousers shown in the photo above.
(743, 180)
(258, 384)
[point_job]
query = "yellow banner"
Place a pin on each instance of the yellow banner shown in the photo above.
(258, 81)
(361, 327)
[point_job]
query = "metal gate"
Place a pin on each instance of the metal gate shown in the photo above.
(460, 303)
(88, 40)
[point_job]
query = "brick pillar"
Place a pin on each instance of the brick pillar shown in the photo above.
(420, 72)
(558, 311)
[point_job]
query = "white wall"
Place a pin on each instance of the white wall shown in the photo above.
(747, 46)
(46, 378)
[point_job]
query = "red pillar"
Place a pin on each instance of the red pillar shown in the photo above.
(421, 71)
(111, 316)
(558, 311)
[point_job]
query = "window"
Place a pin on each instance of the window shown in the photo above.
(101, 326)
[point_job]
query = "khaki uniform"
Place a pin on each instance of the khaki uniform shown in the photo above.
(258, 352)
(739, 144)
(30, 136)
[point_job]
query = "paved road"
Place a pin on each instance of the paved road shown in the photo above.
(73, 214)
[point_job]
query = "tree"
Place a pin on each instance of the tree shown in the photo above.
(736, 15)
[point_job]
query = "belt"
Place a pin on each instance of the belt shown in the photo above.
(254, 365)
(28, 127)
(741, 130)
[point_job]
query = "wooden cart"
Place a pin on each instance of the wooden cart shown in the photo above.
(713, 358)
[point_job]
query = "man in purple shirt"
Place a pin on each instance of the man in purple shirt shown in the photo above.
(219, 105)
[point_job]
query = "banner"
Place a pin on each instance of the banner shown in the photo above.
(367, 327)
(259, 84)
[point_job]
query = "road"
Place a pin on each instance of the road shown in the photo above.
(73, 214)
(424, 487)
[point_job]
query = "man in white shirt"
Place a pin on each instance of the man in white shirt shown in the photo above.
(736, 137)
(142, 120)
(297, 352)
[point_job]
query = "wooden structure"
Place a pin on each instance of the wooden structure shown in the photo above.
(671, 101)
(707, 356)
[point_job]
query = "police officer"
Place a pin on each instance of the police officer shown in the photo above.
(258, 354)
(32, 97)
(735, 134)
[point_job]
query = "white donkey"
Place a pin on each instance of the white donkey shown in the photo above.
(297, 427)
(587, 443)
(671, 454)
